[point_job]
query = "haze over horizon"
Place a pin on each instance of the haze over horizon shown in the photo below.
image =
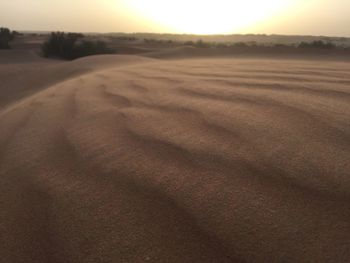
(289, 17)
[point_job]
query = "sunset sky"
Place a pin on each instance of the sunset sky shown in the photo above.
(303, 17)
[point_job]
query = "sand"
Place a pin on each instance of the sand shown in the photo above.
(134, 159)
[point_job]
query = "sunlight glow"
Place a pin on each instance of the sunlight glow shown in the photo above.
(207, 17)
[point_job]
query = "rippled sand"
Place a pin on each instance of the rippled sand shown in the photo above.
(130, 159)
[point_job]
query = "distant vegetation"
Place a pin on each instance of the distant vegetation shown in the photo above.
(321, 43)
(6, 36)
(203, 44)
(199, 43)
(125, 38)
(317, 44)
(72, 46)
(157, 41)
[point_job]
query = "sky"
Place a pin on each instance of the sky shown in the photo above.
(290, 17)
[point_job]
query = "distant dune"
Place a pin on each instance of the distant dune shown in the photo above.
(135, 159)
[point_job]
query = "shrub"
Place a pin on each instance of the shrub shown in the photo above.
(124, 38)
(153, 41)
(240, 44)
(189, 43)
(280, 45)
(6, 36)
(71, 46)
(201, 44)
(221, 45)
(317, 44)
(158, 41)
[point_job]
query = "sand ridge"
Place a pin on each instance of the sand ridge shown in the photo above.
(197, 160)
(19, 80)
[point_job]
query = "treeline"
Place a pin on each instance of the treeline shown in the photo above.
(317, 44)
(72, 46)
(203, 44)
(6, 36)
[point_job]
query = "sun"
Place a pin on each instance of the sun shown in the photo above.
(206, 17)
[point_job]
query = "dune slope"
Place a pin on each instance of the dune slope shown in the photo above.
(208, 160)
(23, 73)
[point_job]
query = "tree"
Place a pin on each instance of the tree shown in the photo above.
(6, 36)
(317, 44)
(201, 44)
(72, 45)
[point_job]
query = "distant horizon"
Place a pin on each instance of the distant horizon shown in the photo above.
(175, 34)
(191, 17)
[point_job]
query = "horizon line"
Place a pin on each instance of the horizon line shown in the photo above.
(179, 34)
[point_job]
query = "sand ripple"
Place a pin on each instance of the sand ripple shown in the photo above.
(207, 160)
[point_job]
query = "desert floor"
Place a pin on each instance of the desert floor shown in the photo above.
(125, 158)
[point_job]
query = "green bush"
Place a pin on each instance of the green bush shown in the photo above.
(317, 44)
(6, 36)
(158, 41)
(240, 44)
(189, 43)
(201, 44)
(221, 45)
(124, 38)
(72, 46)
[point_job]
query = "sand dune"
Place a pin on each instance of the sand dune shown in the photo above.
(18, 80)
(130, 159)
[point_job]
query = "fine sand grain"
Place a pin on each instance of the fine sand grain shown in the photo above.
(132, 159)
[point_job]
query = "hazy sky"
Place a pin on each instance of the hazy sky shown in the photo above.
(311, 17)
